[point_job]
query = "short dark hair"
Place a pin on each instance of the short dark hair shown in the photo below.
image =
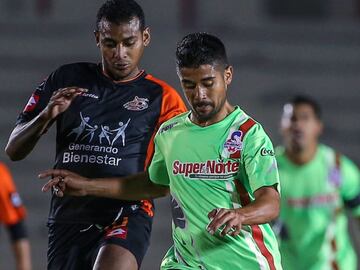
(120, 11)
(302, 99)
(198, 49)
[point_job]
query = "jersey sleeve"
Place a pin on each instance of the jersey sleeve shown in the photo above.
(259, 159)
(171, 105)
(350, 187)
(157, 170)
(12, 210)
(38, 100)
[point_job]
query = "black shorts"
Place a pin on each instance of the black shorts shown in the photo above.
(75, 246)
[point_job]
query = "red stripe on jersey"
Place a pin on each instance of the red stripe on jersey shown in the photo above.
(244, 128)
(259, 240)
(334, 264)
(256, 231)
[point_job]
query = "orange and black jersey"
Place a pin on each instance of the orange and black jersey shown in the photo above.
(106, 132)
(12, 210)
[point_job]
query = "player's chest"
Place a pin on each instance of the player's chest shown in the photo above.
(108, 116)
(309, 188)
(206, 157)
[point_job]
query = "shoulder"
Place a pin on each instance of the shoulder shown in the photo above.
(167, 89)
(250, 127)
(175, 122)
(80, 66)
(3, 167)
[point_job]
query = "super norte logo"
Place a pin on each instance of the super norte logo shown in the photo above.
(208, 170)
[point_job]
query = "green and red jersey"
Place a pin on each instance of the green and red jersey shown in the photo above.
(314, 196)
(218, 166)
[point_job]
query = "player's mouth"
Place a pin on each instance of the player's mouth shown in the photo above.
(203, 107)
(121, 66)
(297, 135)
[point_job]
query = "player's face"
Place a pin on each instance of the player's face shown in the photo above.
(205, 88)
(300, 126)
(121, 47)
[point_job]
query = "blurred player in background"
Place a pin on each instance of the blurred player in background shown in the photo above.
(106, 117)
(317, 184)
(12, 215)
(217, 163)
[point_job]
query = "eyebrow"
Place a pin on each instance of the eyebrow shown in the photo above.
(114, 40)
(204, 79)
(208, 78)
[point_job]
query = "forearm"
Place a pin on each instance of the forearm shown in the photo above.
(263, 209)
(21, 249)
(25, 136)
(135, 187)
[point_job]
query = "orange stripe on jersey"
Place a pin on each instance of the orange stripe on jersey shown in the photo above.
(11, 209)
(171, 105)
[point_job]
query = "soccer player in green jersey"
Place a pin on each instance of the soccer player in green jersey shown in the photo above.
(317, 185)
(218, 165)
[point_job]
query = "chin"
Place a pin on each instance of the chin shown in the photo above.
(297, 147)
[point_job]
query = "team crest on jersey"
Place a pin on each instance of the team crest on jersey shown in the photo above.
(334, 177)
(137, 104)
(234, 143)
(30, 106)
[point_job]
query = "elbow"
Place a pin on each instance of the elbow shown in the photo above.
(165, 192)
(275, 209)
(12, 153)
(160, 192)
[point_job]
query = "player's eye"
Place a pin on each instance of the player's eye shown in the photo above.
(109, 44)
(189, 85)
(130, 42)
(208, 84)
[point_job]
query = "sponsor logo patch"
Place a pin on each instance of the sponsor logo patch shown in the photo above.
(137, 104)
(30, 106)
(267, 152)
(118, 231)
(90, 95)
(208, 170)
(167, 127)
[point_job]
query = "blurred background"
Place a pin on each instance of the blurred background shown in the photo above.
(277, 47)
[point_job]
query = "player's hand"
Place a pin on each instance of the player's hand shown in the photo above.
(231, 219)
(64, 182)
(61, 100)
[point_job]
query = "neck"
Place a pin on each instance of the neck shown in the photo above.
(225, 111)
(301, 156)
(115, 78)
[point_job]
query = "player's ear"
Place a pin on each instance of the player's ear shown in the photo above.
(146, 36)
(228, 73)
(320, 127)
(97, 38)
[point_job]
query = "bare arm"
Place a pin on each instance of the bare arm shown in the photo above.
(25, 136)
(21, 249)
(263, 209)
(134, 187)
